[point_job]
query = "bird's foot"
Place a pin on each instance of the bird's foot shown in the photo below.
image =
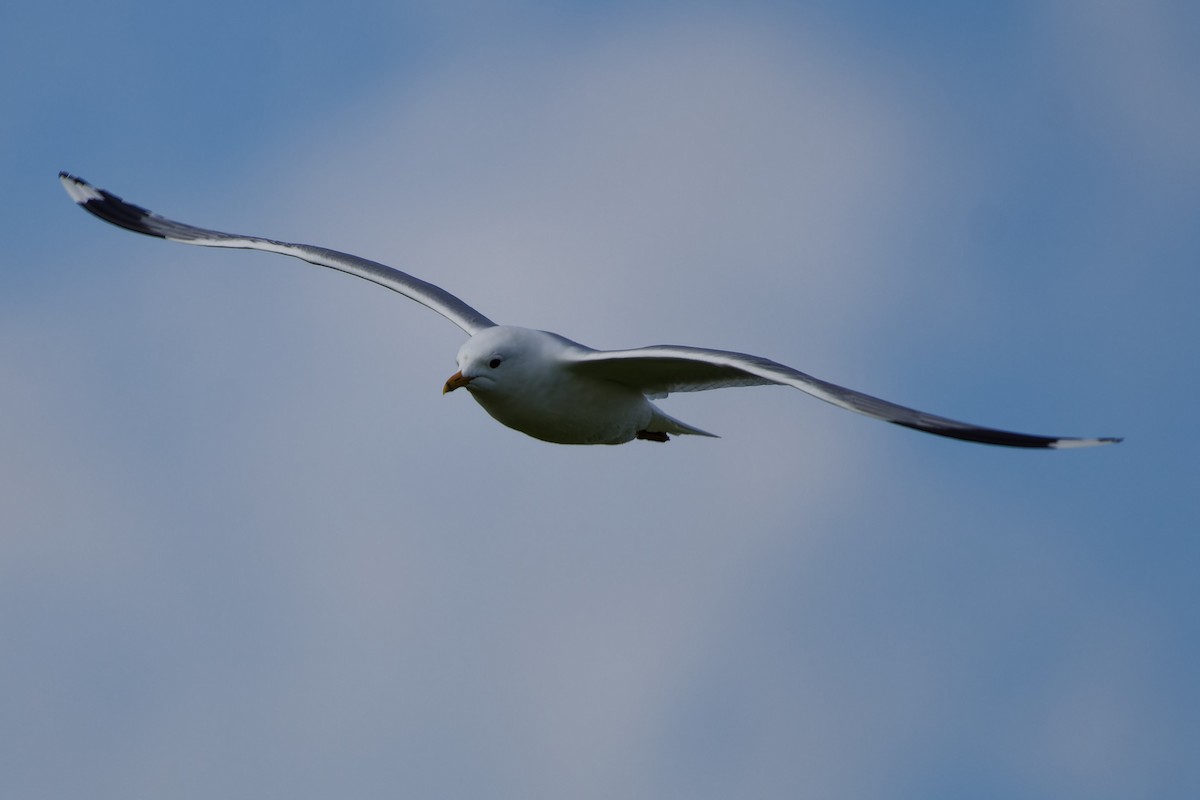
(653, 436)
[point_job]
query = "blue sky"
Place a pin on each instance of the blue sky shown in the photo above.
(249, 550)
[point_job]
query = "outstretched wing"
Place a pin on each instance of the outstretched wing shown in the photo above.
(111, 208)
(669, 368)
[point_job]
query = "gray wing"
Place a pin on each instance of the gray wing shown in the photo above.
(111, 208)
(662, 369)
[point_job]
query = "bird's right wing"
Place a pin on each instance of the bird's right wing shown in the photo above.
(111, 208)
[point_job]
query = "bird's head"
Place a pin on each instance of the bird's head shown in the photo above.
(498, 360)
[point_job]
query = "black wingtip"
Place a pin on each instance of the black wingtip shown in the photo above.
(1008, 438)
(107, 206)
(985, 435)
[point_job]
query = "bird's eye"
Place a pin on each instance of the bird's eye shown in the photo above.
(495, 362)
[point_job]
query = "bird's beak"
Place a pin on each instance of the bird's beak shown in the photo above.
(455, 381)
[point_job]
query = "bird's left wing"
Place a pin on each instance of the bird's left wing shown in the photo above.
(110, 208)
(662, 369)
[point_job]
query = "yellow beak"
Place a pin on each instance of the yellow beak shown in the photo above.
(455, 381)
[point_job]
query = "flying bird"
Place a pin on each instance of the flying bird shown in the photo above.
(550, 387)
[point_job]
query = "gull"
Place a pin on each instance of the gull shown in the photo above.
(554, 389)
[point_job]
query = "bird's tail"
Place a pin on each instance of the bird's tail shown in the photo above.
(664, 423)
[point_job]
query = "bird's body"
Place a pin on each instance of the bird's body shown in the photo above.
(552, 388)
(533, 388)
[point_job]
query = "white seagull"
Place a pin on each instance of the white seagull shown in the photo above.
(551, 388)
